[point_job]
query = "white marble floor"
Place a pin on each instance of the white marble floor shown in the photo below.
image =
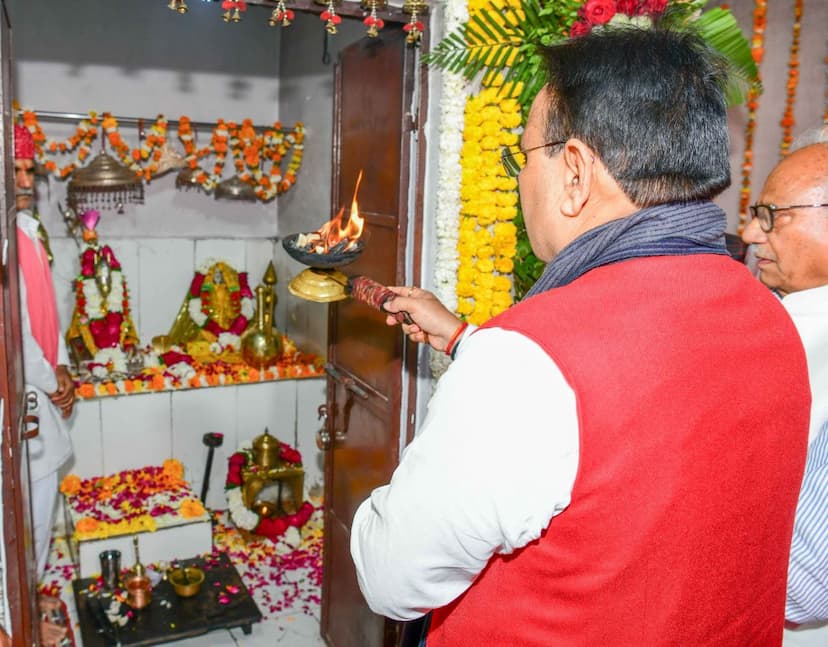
(284, 583)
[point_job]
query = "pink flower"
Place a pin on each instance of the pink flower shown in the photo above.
(599, 12)
(580, 28)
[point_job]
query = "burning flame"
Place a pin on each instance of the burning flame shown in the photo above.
(335, 232)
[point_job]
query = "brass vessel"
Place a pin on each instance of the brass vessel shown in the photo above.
(263, 480)
(319, 285)
(266, 450)
(261, 344)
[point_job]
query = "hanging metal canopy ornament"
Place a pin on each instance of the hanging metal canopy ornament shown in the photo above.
(187, 179)
(235, 189)
(104, 183)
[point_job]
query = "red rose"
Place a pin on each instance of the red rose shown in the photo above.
(238, 325)
(599, 12)
(287, 453)
(580, 28)
(272, 528)
(653, 6)
(238, 459)
(628, 7)
(174, 357)
(234, 477)
(195, 286)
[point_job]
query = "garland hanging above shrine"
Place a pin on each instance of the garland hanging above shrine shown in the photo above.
(268, 160)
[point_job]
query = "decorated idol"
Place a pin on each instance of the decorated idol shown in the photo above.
(102, 336)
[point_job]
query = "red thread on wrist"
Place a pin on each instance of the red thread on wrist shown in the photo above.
(455, 337)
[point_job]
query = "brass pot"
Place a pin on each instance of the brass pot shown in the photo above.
(260, 349)
(266, 451)
(139, 591)
(186, 582)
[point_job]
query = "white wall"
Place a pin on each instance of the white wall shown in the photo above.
(136, 58)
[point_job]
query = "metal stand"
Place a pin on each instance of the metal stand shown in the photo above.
(212, 440)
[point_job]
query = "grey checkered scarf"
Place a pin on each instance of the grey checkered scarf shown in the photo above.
(672, 229)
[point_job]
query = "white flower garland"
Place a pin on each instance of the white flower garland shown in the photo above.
(447, 216)
(94, 308)
(226, 340)
(241, 515)
(109, 360)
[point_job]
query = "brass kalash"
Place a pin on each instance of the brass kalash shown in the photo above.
(265, 479)
(335, 244)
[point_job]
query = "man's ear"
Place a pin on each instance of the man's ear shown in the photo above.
(579, 176)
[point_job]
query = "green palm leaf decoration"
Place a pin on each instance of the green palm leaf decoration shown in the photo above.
(507, 42)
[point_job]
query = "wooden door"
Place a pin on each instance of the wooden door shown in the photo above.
(18, 567)
(373, 132)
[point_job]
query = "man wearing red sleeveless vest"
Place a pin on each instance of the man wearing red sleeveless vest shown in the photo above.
(615, 460)
(45, 359)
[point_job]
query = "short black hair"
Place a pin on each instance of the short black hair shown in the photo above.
(650, 103)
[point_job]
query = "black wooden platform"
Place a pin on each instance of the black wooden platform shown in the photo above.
(186, 617)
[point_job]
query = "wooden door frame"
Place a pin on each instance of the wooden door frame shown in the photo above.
(18, 564)
(409, 266)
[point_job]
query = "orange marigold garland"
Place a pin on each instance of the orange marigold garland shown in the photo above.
(757, 48)
(788, 120)
(82, 139)
(257, 156)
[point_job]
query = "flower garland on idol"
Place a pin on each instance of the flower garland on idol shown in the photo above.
(102, 317)
(240, 295)
(243, 517)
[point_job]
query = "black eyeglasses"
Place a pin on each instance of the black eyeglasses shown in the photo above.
(765, 213)
(514, 160)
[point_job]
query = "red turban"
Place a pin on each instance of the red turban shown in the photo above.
(23, 143)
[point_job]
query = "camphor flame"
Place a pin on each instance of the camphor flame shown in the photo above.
(334, 232)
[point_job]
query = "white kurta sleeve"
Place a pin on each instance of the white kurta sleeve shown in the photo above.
(494, 462)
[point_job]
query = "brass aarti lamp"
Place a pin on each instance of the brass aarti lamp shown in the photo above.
(335, 244)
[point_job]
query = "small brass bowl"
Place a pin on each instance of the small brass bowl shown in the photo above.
(186, 582)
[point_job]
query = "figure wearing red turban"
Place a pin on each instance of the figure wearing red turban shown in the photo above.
(45, 360)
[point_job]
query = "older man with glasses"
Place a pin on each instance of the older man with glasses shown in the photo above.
(591, 470)
(789, 232)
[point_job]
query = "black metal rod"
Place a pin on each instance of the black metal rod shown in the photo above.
(47, 115)
(212, 440)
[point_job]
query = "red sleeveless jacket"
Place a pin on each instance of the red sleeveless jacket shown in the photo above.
(693, 404)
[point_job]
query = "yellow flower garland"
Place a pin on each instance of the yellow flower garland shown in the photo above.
(487, 240)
